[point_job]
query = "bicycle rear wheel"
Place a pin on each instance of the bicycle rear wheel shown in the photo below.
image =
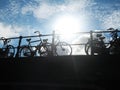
(63, 48)
(10, 51)
(25, 51)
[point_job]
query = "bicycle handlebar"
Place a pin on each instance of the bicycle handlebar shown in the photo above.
(5, 40)
(110, 29)
(38, 33)
(113, 30)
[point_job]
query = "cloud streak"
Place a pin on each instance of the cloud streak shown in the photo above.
(112, 20)
(8, 31)
(45, 9)
(106, 14)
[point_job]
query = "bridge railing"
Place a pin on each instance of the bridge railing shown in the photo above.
(21, 41)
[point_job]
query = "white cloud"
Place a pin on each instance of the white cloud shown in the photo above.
(27, 8)
(10, 12)
(14, 7)
(9, 31)
(78, 5)
(45, 9)
(80, 49)
(112, 20)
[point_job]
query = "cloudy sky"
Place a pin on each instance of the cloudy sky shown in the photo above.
(18, 17)
(23, 17)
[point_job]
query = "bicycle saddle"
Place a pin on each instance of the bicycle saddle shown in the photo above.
(98, 35)
(110, 29)
(45, 40)
(29, 39)
(102, 38)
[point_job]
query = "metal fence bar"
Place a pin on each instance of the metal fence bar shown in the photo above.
(53, 38)
(18, 48)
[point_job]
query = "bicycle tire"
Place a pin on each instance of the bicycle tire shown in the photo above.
(87, 48)
(10, 51)
(63, 48)
(25, 51)
(96, 50)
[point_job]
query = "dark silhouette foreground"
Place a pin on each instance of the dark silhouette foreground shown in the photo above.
(56, 73)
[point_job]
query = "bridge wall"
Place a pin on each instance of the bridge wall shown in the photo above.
(59, 72)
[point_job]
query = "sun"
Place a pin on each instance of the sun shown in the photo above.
(69, 24)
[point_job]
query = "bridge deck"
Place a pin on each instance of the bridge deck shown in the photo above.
(65, 72)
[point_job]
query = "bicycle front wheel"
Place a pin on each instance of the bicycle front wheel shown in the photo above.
(25, 51)
(63, 48)
(88, 49)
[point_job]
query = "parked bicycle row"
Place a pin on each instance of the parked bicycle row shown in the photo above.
(97, 46)
(44, 48)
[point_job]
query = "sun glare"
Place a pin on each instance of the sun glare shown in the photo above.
(67, 25)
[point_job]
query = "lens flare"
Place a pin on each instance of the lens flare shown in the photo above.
(69, 24)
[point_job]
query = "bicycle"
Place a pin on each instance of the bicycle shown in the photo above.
(30, 51)
(7, 50)
(97, 45)
(45, 48)
(114, 46)
(59, 48)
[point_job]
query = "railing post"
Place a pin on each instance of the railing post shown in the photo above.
(18, 48)
(91, 42)
(53, 39)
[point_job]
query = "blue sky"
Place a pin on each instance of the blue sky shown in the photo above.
(23, 17)
(18, 16)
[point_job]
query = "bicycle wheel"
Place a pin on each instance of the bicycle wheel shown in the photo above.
(87, 48)
(25, 51)
(95, 50)
(63, 48)
(10, 51)
(43, 51)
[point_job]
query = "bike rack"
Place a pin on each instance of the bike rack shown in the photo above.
(53, 39)
(18, 48)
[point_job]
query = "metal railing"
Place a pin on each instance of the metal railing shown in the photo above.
(20, 38)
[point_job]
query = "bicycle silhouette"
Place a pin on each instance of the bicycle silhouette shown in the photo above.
(59, 48)
(30, 51)
(99, 47)
(44, 48)
(7, 50)
(114, 47)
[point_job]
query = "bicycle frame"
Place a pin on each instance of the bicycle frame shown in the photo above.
(36, 48)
